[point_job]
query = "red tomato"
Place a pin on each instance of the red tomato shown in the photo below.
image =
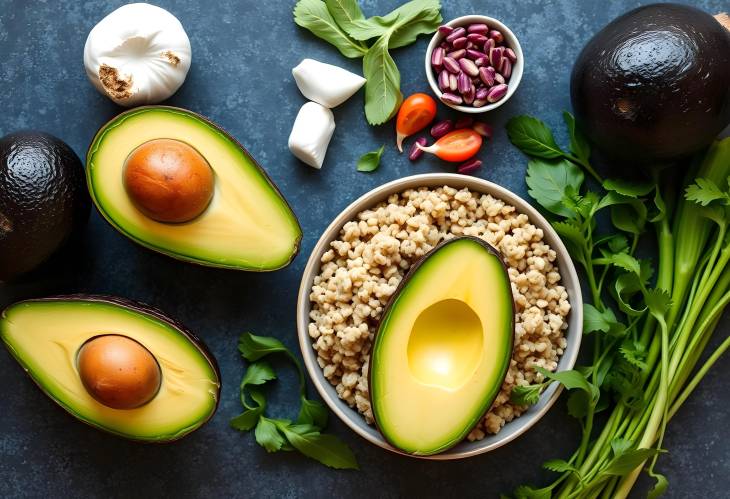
(415, 114)
(456, 146)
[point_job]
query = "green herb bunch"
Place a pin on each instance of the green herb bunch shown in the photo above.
(305, 434)
(646, 331)
(342, 23)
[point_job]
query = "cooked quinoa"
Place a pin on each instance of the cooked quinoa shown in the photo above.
(365, 264)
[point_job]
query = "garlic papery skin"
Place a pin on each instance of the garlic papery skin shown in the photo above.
(326, 84)
(311, 133)
(139, 54)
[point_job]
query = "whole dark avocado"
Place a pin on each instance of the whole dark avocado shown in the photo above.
(654, 85)
(43, 199)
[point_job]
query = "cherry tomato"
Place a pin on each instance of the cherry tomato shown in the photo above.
(415, 114)
(456, 146)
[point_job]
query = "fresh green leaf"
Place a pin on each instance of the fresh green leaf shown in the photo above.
(258, 373)
(572, 235)
(579, 145)
(405, 19)
(578, 403)
(382, 90)
(704, 191)
(659, 488)
(406, 33)
(630, 217)
(314, 16)
(248, 420)
(527, 492)
(620, 445)
(628, 461)
(618, 244)
(629, 188)
(268, 436)
(327, 449)
(533, 137)
(526, 395)
(373, 27)
(559, 466)
(660, 207)
(595, 320)
(254, 347)
(634, 353)
(571, 380)
(626, 286)
(344, 12)
(547, 182)
(626, 262)
(313, 412)
(370, 161)
(657, 301)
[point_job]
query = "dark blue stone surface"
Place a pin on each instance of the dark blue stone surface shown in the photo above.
(243, 52)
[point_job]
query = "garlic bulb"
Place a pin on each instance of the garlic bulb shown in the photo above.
(326, 84)
(311, 133)
(138, 54)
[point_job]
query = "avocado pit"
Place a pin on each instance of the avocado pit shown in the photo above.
(118, 372)
(168, 180)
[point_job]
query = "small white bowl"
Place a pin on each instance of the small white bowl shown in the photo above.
(349, 415)
(510, 41)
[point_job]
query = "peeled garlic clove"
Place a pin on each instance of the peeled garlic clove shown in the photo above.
(138, 54)
(311, 133)
(326, 84)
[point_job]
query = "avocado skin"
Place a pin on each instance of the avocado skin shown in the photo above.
(140, 308)
(639, 87)
(43, 199)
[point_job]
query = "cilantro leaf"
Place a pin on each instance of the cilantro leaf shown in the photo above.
(370, 161)
(247, 420)
(595, 320)
(526, 395)
(254, 347)
(258, 373)
(571, 380)
(547, 183)
(313, 412)
(705, 191)
(559, 466)
(634, 353)
(578, 403)
(626, 262)
(327, 449)
(657, 301)
(268, 436)
(533, 137)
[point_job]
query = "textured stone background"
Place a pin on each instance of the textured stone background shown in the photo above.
(240, 78)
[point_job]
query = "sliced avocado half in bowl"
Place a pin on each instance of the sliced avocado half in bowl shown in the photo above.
(46, 336)
(246, 225)
(443, 347)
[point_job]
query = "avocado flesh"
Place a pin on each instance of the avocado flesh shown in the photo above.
(248, 224)
(443, 347)
(45, 335)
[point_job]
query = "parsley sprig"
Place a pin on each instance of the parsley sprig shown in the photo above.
(304, 434)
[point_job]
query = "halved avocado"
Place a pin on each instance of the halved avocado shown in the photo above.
(443, 347)
(247, 225)
(46, 335)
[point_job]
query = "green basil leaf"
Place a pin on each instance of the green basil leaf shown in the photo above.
(382, 90)
(630, 188)
(254, 347)
(314, 16)
(313, 412)
(628, 461)
(578, 143)
(344, 12)
(533, 137)
(370, 161)
(547, 183)
(373, 27)
(327, 449)
(247, 420)
(406, 33)
(268, 436)
(526, 395)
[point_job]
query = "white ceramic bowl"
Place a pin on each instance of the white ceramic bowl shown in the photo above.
(355, 420)
(510, 40)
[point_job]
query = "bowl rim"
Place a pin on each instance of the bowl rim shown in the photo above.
(517, 70)
(353, 419)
